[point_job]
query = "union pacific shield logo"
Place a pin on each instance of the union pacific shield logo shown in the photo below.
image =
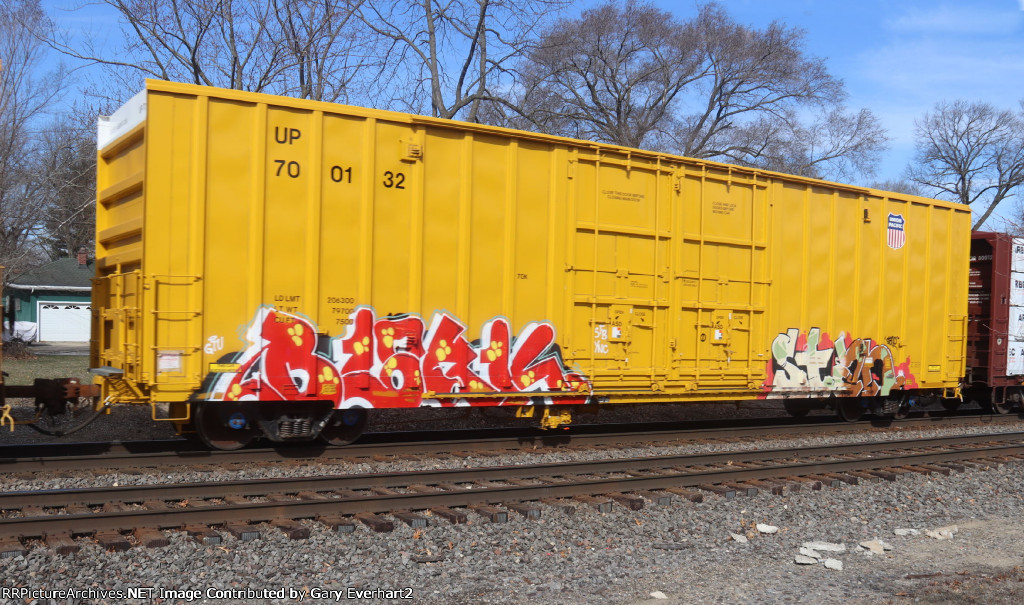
(896, 235)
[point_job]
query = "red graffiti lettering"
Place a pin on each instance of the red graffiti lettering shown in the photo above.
(397, 362)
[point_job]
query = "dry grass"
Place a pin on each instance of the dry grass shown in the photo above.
(17, 349)
(22, 371)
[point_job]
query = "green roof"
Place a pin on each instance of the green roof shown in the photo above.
(61, 273)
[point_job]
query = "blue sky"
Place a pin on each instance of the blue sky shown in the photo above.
(897, 58)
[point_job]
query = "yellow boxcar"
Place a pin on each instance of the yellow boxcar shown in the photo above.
(255, 248)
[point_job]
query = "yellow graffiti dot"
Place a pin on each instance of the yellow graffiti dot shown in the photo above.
(388, 341)
(298, 329)
(327, 376)
(361, 347)
(494, 351)
(526, 380)
(441, 355)
(559, 384)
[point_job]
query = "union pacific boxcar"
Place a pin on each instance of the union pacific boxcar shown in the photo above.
(276, 266)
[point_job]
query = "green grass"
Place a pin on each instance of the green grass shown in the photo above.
(22, 371)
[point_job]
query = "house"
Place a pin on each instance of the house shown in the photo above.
(54, 298)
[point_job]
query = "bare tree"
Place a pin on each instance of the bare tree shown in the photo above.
(448, 57)
(26, 92)
(325, 53)
(612, 74)
(751, 75)
(970, 153)
(898, 186)
(838, 145)
(303, 48)
(67, 162)
(632, 74)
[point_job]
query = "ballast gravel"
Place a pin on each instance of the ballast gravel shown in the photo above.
(683, 551)
(679, 553)
(83, 479)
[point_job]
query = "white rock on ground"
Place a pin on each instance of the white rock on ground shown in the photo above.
(873, 546)
(657, 594)
(807, 552)
(738, 538)
(905, 532)
(826, 546)
(835, 564)
(943, 533)
(805, 560)
(766, 529)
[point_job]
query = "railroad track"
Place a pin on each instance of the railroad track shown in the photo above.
(341, 501)
(179, 452)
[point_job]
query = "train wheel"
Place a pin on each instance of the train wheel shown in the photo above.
(796, 409)
(849, 408)
(902, 410)
(997, 408)
(217, 433)
(344, 426)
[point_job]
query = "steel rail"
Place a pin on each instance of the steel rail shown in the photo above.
(256, 487)
(579, 478)
(55, 457)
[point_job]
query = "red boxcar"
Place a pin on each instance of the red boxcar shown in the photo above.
(995, 329)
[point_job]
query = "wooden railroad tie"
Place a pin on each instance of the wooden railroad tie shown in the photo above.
(339, 524)
(691, 495)
(243, 531)
(375, 522)
(454, 517)
(526, 509)
(204, 535)
(630, 501)
(726, 492)
(414, 520)
(491, 513)
(112, 541)
(150, 538)
(62, 544)
(603, 505)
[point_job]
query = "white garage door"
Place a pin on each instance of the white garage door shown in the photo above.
(64, 321)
